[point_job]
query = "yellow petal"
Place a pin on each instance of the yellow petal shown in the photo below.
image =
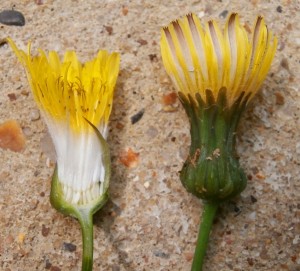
(70, 91)
(198, 59)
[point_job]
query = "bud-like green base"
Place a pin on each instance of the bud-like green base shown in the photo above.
(84, 213)
(212, 171)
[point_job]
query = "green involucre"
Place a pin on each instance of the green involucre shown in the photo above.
(212, 171)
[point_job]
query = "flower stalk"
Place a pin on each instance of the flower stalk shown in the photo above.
(209, 212)
(86, 222)
(76, 101)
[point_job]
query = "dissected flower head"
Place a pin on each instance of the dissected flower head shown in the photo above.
(70, 94)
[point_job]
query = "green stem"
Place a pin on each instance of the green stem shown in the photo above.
(86, 221)
(210, 209)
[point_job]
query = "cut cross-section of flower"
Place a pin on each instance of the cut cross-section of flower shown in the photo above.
(76, 101)
(69, 93)
(205, 58)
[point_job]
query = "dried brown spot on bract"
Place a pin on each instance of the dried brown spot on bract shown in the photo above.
(216, 153)
(195, 157)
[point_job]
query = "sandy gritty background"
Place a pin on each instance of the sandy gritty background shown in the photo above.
(151, 222)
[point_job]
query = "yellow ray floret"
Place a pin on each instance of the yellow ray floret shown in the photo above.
(199, 58)
(69, 90)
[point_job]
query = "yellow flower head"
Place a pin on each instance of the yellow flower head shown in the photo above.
(200, 59)
(70, 91)
(70, 94)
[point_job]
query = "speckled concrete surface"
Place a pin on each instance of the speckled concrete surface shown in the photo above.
(151, 222)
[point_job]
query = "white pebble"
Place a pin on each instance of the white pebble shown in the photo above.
(252, 216)
(201, 14)
(296, 240)
(297, 41)
(34, 115)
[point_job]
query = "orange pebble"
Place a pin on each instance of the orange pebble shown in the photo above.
(129, 158)
(170, 98)
(11, 136)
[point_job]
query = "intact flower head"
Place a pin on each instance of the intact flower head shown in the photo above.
(206, 58)
(70, 94)
(216, 73)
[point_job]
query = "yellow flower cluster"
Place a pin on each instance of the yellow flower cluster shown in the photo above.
(198, 58)
(70, 91)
